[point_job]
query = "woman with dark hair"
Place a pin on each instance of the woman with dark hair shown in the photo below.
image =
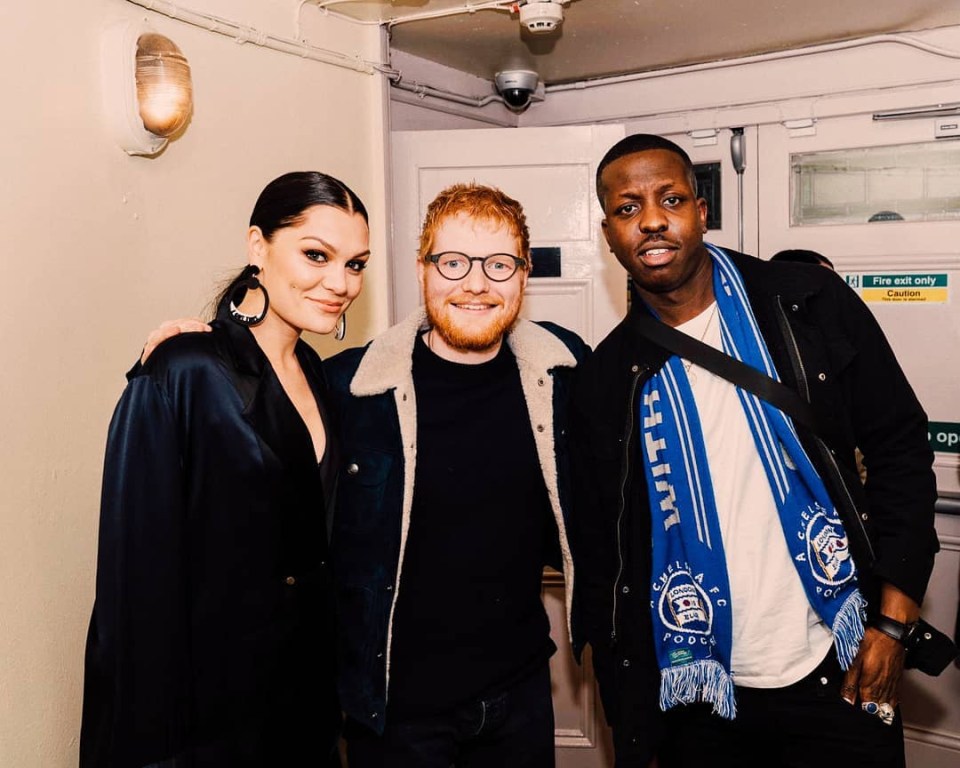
(211, 642)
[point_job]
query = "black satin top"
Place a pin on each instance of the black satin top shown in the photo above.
(211, 642)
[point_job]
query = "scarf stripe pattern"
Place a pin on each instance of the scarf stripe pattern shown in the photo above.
(690, 589)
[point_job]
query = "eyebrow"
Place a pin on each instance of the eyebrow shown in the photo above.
(634, 194)
(329, 247)
(320, 240)
(464, 253)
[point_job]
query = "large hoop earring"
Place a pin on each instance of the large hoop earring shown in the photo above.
(248, 282)
(341, 330)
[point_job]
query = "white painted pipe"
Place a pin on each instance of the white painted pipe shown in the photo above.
(244, 34)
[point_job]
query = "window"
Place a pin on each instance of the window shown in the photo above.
(910, 182)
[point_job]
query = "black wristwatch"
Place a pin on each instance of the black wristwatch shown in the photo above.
(902, 633)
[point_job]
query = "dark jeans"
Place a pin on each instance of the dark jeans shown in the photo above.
(512, 729)
(804, 725)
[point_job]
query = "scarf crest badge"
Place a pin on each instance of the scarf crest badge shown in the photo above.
(690, 592)
(828, 551)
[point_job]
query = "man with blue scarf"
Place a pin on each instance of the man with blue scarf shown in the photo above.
(745, 597)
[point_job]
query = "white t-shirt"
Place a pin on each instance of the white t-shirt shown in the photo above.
(777, 637)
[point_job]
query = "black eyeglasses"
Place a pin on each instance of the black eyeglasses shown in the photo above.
(498, 267)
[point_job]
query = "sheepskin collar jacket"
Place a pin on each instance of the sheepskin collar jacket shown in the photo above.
(372, 391)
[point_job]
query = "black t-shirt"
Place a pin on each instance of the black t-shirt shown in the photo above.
(469, 618)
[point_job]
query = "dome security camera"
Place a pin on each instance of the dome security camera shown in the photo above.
(517, 87)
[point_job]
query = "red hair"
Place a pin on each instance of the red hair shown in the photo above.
(479, 203)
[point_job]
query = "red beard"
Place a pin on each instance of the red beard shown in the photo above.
(472, 337)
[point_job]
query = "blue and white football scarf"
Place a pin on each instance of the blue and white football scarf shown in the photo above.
(690, 591)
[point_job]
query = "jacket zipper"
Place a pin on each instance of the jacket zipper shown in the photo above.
(794, 351)
(625, 472)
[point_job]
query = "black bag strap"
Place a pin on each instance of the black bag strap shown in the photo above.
(777, 394)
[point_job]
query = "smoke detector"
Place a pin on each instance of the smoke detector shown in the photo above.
(541, 17)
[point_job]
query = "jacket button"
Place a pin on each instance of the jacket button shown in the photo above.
(539, 382)
(539, 427)
(380, 655)
(634, 368)
(373, 716)
(822, 376)
(352, 469)
(625, 589)
(864, 516)
(626, 662)
(389, 587)
(290, 581)
(795, 308)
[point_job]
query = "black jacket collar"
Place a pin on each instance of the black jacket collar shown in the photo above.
(266, 406)
(766, 282)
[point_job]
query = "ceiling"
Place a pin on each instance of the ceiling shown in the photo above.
(608, 37)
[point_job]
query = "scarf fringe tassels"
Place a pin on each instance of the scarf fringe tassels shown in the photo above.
(705, 680)
(848, 628)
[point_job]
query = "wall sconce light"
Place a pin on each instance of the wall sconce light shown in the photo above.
(148, 94)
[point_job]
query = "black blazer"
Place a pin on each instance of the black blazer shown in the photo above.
(211, 640)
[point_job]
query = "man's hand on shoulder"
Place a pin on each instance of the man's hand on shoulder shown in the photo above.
(169, 329)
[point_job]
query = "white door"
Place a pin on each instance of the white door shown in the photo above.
(924, 334)
(551, 172)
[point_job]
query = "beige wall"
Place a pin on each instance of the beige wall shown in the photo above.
(97, 247)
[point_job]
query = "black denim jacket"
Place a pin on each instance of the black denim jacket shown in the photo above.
(368, 518)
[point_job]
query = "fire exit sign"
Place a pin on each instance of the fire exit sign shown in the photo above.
(901, 287)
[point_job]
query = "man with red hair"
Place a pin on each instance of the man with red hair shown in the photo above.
(451, 499)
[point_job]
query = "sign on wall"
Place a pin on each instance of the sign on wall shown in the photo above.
(901, 287)
(944, 436)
